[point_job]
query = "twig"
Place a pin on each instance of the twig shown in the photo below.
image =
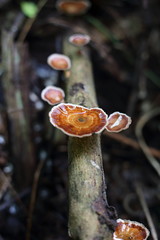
(146, 211)
(90, 217)
(139, 127)
(130, 142)
(33, 198)
(29, 22)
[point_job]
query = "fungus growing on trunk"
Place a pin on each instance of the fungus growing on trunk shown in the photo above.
(78, 121)
(53, 95)
(79, 40)
(73, 7)
(117, 122)
(59, 61)
(132, 230)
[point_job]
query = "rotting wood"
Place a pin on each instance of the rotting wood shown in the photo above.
(90, 216)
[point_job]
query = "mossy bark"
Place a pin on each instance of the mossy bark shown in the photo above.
(90, 217)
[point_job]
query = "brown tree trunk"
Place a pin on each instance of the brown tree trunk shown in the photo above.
(90, 217)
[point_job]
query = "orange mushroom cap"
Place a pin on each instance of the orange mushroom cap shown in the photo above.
(117, 122)
(53, 95)
(132, 230)
(79, 39)
(59, 61)
(78, 121)
(73, 7)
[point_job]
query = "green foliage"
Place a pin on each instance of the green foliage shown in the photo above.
(29, 9)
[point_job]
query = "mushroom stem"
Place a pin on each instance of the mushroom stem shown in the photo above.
(90, 216)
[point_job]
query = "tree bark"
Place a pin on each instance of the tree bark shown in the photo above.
(90, 217)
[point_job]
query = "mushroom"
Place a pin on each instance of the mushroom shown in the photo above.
(59, 61)
(53, 95)
(73, 7)
(79, 39)
(78, 121)
(132, 230)
(117, 122)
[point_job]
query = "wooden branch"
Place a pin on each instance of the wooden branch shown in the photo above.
(130, 142)
(16, 91)
(90, 217)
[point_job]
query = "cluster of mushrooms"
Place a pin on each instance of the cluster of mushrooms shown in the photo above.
(78, 121)
(75, 120)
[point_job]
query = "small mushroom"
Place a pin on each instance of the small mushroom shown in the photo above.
(78, 121)
(79, 39)
(59, 61)
(132, 230)
(73, 7)
(53, 95)
(117, 122)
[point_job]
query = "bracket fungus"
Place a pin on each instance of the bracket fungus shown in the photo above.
(79, 39)
(132, 230)
(59, 61)
(117, 122)
(53, 95)
(73, 8)
(78, 121)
